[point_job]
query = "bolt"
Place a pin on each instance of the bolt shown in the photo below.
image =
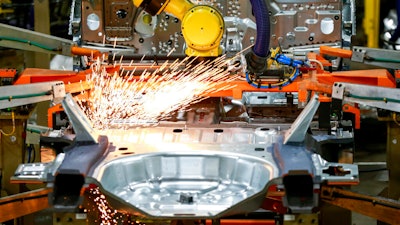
(290, 36)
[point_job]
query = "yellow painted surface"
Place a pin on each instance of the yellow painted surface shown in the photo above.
(371, 22)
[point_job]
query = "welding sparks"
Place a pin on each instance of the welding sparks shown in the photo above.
(106, 214)
(100, 212)
(153, 96)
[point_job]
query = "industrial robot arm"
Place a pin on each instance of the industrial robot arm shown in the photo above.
(202, 25)
(203, 28)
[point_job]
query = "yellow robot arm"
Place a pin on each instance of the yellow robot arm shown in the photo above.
(202, 25)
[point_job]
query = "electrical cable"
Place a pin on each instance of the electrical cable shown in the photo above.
(29, 154)
(382, 59)
(317, 62)
(33, 153)
(282, 59)
(389, 42)
(24, 96)
(28, 42)
(293, 76)
(13, 128)
(278, 58)
(383, 99)
(394, 117)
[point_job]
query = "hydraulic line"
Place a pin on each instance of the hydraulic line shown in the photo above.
(24, 96)
(261, 14)
(257, 57)
(381, 99)
(288, 81)
(27, 42)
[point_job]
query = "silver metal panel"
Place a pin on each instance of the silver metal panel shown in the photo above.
(154, 169)
(302, 24)
(196, 184)
(197, 172)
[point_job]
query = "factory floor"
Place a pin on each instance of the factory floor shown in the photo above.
(373, 180)
(370, 149)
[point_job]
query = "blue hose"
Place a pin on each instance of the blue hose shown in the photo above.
(261, 14)
(284, 60)
(257, 57)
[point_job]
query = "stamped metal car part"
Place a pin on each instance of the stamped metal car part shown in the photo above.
(179, 171)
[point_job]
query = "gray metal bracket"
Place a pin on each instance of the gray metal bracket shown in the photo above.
(83, 127)
(298, 129)
(380, 97)
(376, 56)
(23, 94)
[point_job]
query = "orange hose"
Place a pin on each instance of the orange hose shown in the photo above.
(85, 52)
(326, 50)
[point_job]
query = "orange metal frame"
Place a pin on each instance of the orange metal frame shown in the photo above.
(34, 75)
(354, 110)
(321, 83)
(8, 73)
(315, 81)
